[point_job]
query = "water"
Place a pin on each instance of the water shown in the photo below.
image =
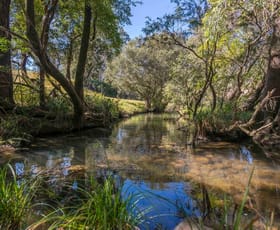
(150, 159)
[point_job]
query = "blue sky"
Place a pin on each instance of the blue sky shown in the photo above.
(151, 8)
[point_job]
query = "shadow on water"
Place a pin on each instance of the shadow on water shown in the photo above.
(150, 158)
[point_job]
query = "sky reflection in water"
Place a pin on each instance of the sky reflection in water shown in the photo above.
(164, 205)
(150, 156)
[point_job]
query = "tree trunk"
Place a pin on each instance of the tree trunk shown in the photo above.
(48, 66)
(254, 98)
(148, 104)
(6, 80)
(79, 78)
(69, 60)
(42, 95)
(272, 80)
(214, 98)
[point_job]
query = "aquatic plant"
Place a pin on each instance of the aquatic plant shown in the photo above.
(15, 199)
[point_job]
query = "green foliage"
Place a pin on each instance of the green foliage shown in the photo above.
(97, 206)
(130, 107)
(59, 106)
(4, 44)
(103, 87)
(26, 96)
(103, 106)
(220, 118)
(13, 126)
(143, 69)
(16, 199)
(100, 207)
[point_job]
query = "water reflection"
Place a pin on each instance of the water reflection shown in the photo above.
(164, 204)
(149, 154)
(247, 154)
(19, 169)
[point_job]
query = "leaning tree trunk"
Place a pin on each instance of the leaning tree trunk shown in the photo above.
(6, 80)
(48, 66)
(268, 135)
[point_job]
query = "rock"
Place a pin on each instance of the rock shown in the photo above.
(188, 225)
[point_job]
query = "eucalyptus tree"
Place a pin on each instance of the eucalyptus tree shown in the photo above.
(183, 30)
(98, 17)
(254, 26)
(143, 68)
(6, 81)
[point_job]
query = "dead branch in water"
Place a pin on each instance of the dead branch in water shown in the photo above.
(253, 120)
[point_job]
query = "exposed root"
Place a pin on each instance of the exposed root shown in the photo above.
(264, 132)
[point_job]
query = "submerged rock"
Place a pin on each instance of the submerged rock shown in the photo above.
(7, 149)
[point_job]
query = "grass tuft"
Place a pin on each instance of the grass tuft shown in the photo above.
(99, 207)
(16, 199)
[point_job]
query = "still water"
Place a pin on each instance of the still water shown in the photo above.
(150, 159)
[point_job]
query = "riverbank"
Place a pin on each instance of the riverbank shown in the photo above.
(149, 159)
(19, 126)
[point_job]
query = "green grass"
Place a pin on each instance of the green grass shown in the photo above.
(124, 107)
(96, 206)
(130, 107)
(16, 199)
(102, 106)
(99, 206)
(237, 222)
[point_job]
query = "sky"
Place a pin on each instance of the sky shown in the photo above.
(151, 8)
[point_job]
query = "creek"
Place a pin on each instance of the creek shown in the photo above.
(150, 159)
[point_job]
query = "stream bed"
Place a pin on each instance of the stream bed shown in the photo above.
(150, 159)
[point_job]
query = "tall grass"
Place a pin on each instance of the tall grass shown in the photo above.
(99, 207)
(237, 223)
(15, 199)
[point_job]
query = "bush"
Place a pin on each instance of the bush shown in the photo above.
(220, 118)
(103, 106)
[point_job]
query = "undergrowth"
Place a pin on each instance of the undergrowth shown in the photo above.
(30, 203)
(16, 196)
(221, 118)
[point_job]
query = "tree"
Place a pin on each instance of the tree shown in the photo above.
(6, 80)
(224, 57)
(40, 52)
(80, 71)
(143, 68)
(100, 16)
(272, 77)
(259, 28)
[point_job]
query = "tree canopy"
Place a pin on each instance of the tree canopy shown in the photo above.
(205, 56)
